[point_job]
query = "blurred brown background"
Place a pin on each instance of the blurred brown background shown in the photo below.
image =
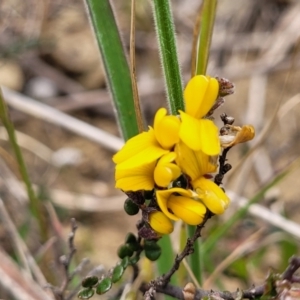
(48, 53)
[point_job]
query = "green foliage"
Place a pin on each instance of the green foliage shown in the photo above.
(168, 54)
(86, 293)
(89, 281)
(115, 64)
(104, 286)
(152, 250)
(117, 273)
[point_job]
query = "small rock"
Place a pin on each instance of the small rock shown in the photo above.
(66, 157)
(41, 88)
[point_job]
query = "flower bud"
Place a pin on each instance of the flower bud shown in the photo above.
(160, 223)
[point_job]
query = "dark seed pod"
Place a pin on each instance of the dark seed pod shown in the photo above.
(226, 168)
(89, 281)
(130, 207)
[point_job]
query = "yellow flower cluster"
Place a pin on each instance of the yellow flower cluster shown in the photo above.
(187, 144)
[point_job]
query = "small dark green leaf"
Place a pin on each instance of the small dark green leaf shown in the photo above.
(104, 286)
(89, 281)
(148, 194)
(125, 250)
(133, 260)
(151, 244)
(117, 273)
(153, 254)
(125, 262)
(130, 238)
(130, 207)
(152, 250)
(86, 293)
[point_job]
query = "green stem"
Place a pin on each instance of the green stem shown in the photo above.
(195, 258)
(168, 54)
(115, 64)
(166, 260)
(206, 31)
(34, 203)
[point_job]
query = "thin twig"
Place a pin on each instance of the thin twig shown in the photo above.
(251, 293)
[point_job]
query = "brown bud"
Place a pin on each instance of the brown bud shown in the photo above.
(189, 291)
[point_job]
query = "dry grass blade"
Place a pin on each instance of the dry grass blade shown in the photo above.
(247, 245)
(21, 248)
(47, 113)
(268, 216)
(136, 98)
(29, 143)
(20, 286)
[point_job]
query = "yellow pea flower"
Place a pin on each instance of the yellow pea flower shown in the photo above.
(211, 195)
(177, 203)
(135, 179)
(198, 133)
(145, 177)
(149, 146)
(166, 171)
(195, 164)
(160, 223)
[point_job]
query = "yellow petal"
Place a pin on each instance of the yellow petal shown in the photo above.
(163, 196)
(166, 129)
(193, 163)
(188, 210)
(139, 150)
(199, 134)
(167, 158)
(165, 174)
(200, 94)
(135, 145)
(160, 223)
(166, 171)
(140, 178)
(211, 195)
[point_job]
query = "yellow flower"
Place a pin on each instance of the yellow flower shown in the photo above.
(160, 223)
(149, 146)
(211, 195)
(193, 163)
(177, 203)
(198, 133)
(135, 179)
(196, 164)
(165, 170)
(145, 177)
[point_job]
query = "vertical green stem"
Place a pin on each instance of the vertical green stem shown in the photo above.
(34, 204)
(168, 54)
(115, 64)
(206, 31)
(195, 258)
(166, 260)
